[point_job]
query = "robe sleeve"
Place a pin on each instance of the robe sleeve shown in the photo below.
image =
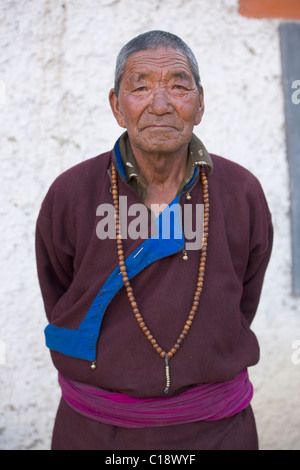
(54, 261)
(259, 253)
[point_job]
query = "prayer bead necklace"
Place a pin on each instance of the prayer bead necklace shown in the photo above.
(128, 287)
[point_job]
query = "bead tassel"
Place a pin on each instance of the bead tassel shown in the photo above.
(129, 290)
(168, 380)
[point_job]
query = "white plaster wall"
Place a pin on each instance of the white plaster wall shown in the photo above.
(56, 65)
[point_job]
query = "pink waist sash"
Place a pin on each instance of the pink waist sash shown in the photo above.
(204, 402)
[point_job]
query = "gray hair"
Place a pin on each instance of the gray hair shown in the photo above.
(153, 40)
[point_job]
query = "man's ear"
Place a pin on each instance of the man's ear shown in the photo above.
(115, 107)
(201, 108)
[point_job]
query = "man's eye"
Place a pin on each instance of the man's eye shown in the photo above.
(179, 87)
(141, 88)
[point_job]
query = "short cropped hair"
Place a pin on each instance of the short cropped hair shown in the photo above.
(153, 40)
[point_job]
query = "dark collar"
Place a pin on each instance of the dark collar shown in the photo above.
(198, 155)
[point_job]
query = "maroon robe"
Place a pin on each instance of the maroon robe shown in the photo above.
(73, 264)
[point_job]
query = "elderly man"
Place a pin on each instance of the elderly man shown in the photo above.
(151, 334)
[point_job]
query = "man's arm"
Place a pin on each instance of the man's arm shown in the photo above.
(54, 264)
(259, 257)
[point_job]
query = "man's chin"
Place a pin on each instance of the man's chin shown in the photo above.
(163, 140)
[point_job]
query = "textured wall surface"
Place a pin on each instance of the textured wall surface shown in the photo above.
(56, 68)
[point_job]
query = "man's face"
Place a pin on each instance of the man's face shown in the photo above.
(158, 102)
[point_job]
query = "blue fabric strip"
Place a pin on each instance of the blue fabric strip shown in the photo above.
(119, 162)
(82, 343)
(168, 240)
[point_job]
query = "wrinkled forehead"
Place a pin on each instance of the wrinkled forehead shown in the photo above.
(158, 61)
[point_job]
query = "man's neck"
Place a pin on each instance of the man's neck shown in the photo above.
(162, 173)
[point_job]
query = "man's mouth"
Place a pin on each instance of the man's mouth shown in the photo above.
(159, 126)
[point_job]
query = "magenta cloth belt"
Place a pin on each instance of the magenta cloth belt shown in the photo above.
(204, 402)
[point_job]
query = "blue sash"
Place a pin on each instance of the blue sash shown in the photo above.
(82, 342)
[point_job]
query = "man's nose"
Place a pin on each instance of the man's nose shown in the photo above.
(160, 103)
